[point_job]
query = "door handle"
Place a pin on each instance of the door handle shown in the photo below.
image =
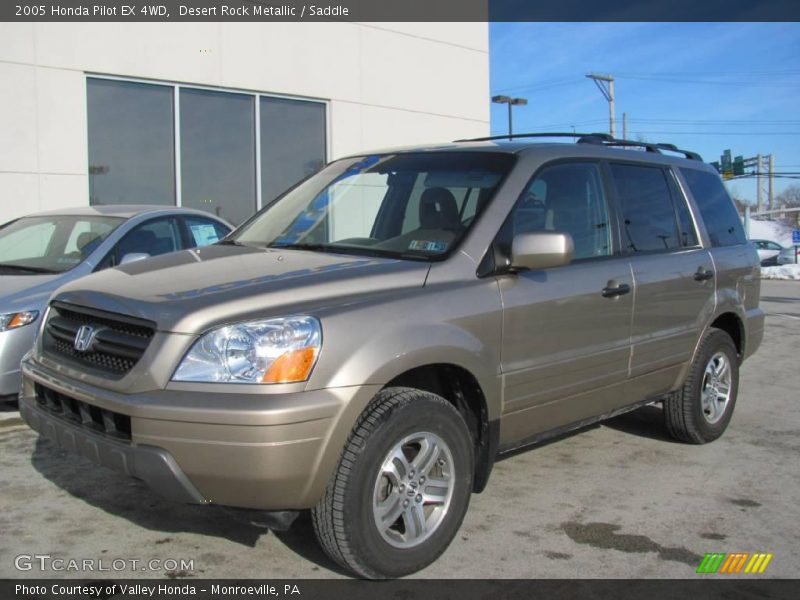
(612, 291)
(703, 274)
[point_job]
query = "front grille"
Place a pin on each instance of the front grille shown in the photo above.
(77, 412)
(117, 344)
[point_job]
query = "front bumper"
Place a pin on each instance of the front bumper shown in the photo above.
(267, 451)
(152, 465)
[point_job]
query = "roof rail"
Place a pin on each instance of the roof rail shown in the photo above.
(687, 153)
(532, 135)
(602, 139)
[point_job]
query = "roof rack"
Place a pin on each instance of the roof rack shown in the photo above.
(535, 135)
(601, 139)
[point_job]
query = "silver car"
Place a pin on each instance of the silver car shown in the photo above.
(41, 252)
(768, 252)
(789, 256)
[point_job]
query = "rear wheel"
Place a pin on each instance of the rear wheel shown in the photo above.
(401, 488)
(701, 410)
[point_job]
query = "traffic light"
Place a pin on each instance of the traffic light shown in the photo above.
(738, 165)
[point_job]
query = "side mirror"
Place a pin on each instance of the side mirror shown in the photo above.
(133, 257)
(541, 250)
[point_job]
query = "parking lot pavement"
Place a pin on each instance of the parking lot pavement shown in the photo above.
(613, 500)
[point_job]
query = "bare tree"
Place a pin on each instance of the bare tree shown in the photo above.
(790, 198)
(738, 199)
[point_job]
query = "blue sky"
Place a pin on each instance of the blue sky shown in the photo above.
(702, 86)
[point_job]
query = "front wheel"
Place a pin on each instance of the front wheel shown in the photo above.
(401, 488)
(701, 410)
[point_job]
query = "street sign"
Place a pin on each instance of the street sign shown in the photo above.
(796, 236)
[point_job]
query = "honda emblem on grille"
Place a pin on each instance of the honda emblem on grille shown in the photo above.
(84, 338)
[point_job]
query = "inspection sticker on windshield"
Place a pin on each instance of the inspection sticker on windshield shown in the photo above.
(427, 246)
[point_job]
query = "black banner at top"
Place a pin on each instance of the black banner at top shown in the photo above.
(398, 10)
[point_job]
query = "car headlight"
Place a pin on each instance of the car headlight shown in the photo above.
(265, 351)
(17, 319)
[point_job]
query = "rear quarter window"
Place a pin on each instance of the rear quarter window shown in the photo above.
(716, 208)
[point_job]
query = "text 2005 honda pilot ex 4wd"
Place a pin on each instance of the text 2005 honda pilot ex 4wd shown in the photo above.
(367, 345)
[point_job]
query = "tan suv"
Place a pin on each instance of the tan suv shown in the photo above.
(368, 344)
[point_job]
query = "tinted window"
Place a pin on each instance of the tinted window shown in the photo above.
(131, 149)
(203, 232)
(218, 161)
(292, 143)
(719, 215)
(566, 198)
(648, 216)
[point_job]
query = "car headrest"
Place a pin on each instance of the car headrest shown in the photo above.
(438, 209)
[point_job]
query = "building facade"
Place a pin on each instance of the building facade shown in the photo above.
(221, 116)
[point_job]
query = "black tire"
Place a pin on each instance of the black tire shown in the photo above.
(684, 415)
(343, 519)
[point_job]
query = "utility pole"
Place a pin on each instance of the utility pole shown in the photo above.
(759, 201)
(771, 181)
(605, 83)
(624, 126)
(511, 102)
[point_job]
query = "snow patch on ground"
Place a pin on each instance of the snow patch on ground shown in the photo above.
(782, 272)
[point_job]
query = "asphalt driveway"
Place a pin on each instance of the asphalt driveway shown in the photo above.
(614, 500)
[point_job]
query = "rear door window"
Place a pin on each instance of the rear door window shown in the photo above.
(647, 213)
(203, 232)
(686, 226)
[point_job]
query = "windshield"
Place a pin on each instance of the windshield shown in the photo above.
(51, 244)
(415, 206)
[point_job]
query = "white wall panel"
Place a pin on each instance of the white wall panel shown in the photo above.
(387, 84)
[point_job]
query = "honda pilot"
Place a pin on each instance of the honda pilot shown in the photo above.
(367, 345)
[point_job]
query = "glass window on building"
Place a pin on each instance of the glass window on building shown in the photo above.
(134, 157)
(292, 143)
(131, 150)
(218, 153)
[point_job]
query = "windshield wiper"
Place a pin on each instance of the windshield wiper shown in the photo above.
(230, 243)
(310, 247)
(29, 269)
(351, 250)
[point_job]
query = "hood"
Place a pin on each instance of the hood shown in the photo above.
(27, 292)
(193, 290)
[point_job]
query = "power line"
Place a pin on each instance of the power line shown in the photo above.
(764, 73)
(546, 84)
(716, 121)
(750, 82)
(765, 133)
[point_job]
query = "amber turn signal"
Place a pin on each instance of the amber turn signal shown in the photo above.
(291, 367)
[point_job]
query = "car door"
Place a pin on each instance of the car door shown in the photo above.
(673, 275)
(566, 330)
